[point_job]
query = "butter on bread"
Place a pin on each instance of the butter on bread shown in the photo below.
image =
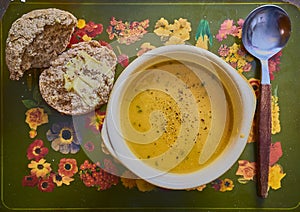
(80, 79)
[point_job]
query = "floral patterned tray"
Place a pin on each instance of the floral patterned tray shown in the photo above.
(46, 165)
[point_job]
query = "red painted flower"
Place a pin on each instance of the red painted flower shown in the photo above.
(94, 176)
(104, 43)
(123, 59)
(67, 167)
(92, 29)
(83, 29)
(30, 180)
(36, 150)
(274, 64)
(275, 153)
(46, 184)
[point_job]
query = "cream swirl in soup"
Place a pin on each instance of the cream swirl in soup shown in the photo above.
(168, 116)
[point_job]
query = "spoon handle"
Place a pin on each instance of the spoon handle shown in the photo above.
(264, 139)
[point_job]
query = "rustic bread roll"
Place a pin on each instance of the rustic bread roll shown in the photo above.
(80, 79)
(37, 38)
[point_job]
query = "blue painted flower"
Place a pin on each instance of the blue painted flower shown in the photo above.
(63, 138)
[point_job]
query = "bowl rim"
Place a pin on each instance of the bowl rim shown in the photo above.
(216, 167)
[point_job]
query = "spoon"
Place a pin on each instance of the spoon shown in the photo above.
(265, 32)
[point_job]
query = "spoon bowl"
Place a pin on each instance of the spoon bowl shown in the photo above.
(265, 32)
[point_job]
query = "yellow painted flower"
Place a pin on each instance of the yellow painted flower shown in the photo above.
(174, 40)
(86, 38)
(34, 118)
(203, 42)
(162, 28)
(128, 179)
(199, 188)
(81, 23)
(183, 34)
(180, 24)
(143, 185)
(145, 47)
(226, 185)
(175, 33)
(237, 57)
(275, 176)
(40, 168)
(275, 116)
(59, 180)
(252, 134)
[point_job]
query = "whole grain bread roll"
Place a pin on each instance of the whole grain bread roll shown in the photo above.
(37, 38)
(80, 79)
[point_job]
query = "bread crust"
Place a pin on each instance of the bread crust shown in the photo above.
(37, 38)
(52, 80)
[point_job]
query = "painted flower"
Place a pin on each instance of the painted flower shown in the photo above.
(92, 29)
(104, 43)
(275, 176)
(176, 33)
(181, 29)
(276, 128)
(80, 23)
(36, 150)
(255, 83)
(67, 167)
(104, 149)
(86, 38)
(162, 28)
(127, 32)
(275, 153)
(123, 60)
(236, 56)
(85, 31)
(89, 146)
(144, 186)
(223, 50)
(222, 185)
(46, 184)
(34, 118)
(246, 169)
(64, 138)
(216, 184)
(59, 180)
(203, 42)
(252, 134)
(199, 188)
(274, 64)
(94, 176)
(30, 180)
(95, 121)
(226, 185)
(40, 168)
(174, 40)
(228, 27)
(145, 47)
(128, 179)
(203, 35)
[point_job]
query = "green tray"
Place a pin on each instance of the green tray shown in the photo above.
(14, 130)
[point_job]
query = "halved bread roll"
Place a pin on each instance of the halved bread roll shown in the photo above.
(37, 38)
(80, 79)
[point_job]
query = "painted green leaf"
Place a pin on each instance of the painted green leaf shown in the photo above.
(28, 103)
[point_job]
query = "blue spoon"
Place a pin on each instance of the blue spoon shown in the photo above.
(265, 32)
